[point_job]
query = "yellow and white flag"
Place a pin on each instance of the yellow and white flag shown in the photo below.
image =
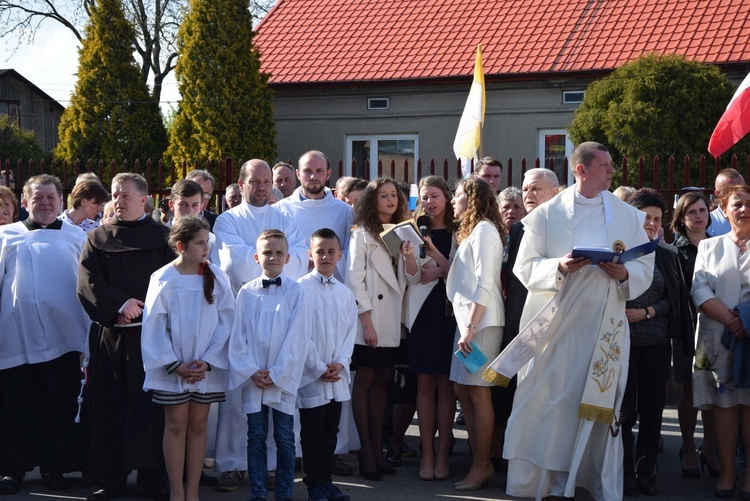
(469, 135)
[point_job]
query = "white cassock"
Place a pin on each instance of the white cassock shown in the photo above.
(548, 447)
(311, 215)
(333, 327)
(236, 232)
(271, 331)
(40, 314)
(180, 325)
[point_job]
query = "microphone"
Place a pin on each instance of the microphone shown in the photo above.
(423, 222)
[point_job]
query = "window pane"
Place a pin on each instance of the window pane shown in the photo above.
(360, 153)
(554, 147)
(3, 108)
(396, 150)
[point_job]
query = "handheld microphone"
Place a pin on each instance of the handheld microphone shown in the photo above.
(423, 222)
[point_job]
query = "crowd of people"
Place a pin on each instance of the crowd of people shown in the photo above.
(311, 337)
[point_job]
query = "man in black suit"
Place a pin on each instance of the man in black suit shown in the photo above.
(539, 186)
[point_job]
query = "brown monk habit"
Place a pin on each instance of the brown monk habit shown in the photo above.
(126, 427)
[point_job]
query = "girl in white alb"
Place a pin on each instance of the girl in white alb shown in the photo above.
(187, 318)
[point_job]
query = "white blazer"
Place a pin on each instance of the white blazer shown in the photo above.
(376, 287)
(715, 276)
(474, 277)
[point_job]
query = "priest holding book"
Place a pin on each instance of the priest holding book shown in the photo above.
(580, 343)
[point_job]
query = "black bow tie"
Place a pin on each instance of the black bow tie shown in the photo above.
(327, 280)
(273, 281)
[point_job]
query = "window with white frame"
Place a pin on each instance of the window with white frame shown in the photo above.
(395, 147)
(555, 144)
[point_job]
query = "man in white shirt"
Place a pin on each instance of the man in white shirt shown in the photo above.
(237, 231)
(313, 206)
(719, 223)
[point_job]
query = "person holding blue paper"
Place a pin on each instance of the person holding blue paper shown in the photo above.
(474, 287)
(579, 340)
(720, 286)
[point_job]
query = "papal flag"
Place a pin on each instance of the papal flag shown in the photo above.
(734, 123)
(469, 135)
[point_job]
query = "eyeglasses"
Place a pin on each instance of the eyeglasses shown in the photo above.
(207, 196)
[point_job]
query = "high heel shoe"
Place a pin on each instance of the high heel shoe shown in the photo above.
(376, 475)
(713, 472)
(485, 481)
(688, 472)
(726, 493)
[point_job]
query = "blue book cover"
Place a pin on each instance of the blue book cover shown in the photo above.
(474, 360)
(602, 255)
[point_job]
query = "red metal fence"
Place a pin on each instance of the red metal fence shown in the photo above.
(664, 176)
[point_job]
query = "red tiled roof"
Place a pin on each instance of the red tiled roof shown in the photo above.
(306, 41)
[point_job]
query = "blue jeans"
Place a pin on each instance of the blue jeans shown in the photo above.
(283, 434)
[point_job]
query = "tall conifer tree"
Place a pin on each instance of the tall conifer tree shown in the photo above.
(226, 107)
(111, 114)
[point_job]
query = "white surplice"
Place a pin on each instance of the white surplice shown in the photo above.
(179, 325)
(311, 215)
(549, 448)
(237, 231)
(271, 330)
(333, 324)
(40, 314)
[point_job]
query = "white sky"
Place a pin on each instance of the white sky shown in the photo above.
(52, 61)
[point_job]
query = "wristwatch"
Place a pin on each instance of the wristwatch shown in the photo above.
(469, 325)
(648, 315)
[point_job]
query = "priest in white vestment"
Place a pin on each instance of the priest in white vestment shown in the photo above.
(43, 334)
(563, 431)
(236, 233)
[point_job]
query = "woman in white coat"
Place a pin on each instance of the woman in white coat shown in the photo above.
(720, 283)
(378, 281)
(474, 288)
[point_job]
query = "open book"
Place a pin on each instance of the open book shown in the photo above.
(602, 255)
(394, 234)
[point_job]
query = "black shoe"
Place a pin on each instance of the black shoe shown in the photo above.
(334, 493)
(368, 475)
(629, 487)
(208, 479)
(54, 481)
(713, 472)
(726, 493)
(646, 485)
(688, 472)
(392, 458)
(386, 470)
(340, 468)
(10, 484)
(460, 418)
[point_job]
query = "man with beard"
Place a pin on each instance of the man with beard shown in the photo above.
(237, 232)
(313, 205)
(116, 265)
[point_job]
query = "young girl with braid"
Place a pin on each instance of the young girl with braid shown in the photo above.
(187, 319)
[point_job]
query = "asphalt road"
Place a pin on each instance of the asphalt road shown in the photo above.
(406, 486)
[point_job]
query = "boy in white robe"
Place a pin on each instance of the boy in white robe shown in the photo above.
(325, 381)
(268, 347)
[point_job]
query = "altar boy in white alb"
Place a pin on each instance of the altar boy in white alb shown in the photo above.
(267, 351)
(43, 332)
(325, 381)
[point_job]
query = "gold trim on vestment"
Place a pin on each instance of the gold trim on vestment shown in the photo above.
(596, 414)
(495, 378)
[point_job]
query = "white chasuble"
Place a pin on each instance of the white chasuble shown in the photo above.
(549, 447)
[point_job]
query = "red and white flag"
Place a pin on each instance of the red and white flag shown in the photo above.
(734, 123)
